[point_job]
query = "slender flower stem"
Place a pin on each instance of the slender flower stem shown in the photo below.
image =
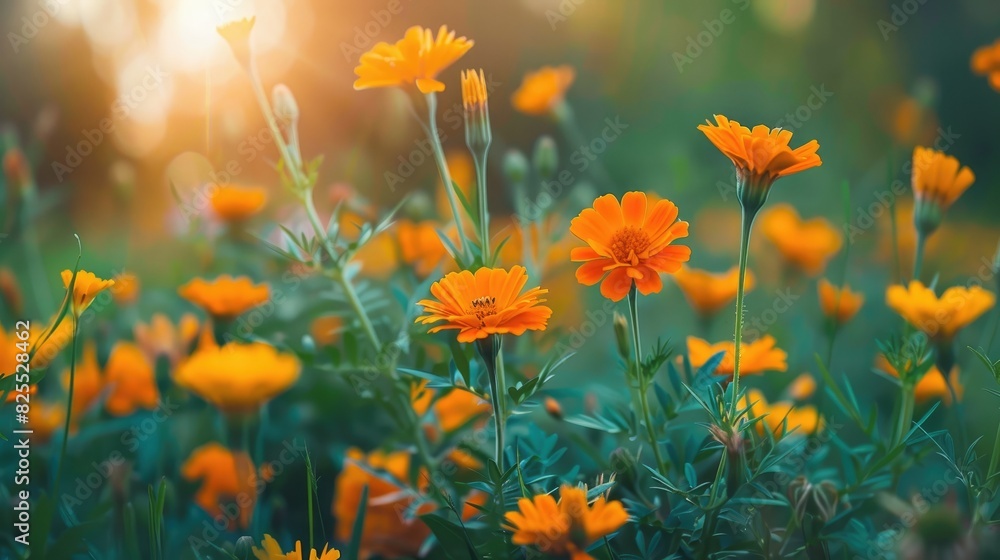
(484, 213)
(738, 335)
(442, 163)
(501, 398)
(994, 460)
(633, 309)
(905, 414)
(918, 256)
(69, 408)
(492, 355)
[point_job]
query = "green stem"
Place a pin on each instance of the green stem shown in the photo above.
(69, 409)
(501, 398)
(442, 163)
(905, 414)
(493, 358)
(918, 257)
(633, 309)
(484, 213)
(994, 461)
(738, 335)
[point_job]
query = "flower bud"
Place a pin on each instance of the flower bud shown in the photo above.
(286, 109)
(244, 548)
(621, 336)
(625, 466)
(546, 157)
(515, 167)
(553, 407)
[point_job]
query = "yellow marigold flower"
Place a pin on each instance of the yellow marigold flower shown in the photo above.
(237, 34)
(417, 58)
(126, 288)
(543, 91)
(755, 357)
(272, 551)
(986, 62)
(131, 379)
(932, 386)
(840, 304)
(567, 527)
(326, 330)
(939, 318)
(10, 292)
(706, 292)
(626, 243)
(85, 289)
(782, 417)
(487, 302)
(226, 297)
(87, 381)
(937, 181)
(385, 532)
(420, 246)
(238, 378)
(807, 244)
(47, 342)
(803, 387)
(760, 156)
(46, 419)
(234, 203)
(227, 479)
(160, 337)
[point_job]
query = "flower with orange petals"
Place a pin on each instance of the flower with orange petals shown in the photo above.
(238, 378)
(782, 417)
(802, 387)
(48, 341)
(417, 59)
(487, 302)
(10, 292)
(420, 246)
(939, 318)
(272, 551)
(542, 92)
(707, 292)
(628, 244)
(453, 410)
(87, 381)
(226, 297)
(986, 62)
(46, 419)
(85, 289)
(126, 288)
(761, 156)
(228, 480)
(839, 304)
(755, 357)
(938, 180)
(234, 203)
(160, 337)
(131, 380)
(807, 244)
(565, 528)
(932, 386)
(326, 329)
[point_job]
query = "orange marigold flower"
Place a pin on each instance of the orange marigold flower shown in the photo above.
(807, 244)
(326, 330)
(227, 478)
(453, 410)
(543, 91)
(387, 532)
(237, 34)
(939, 318)
(567, 527)
(85, 289)
(238, 378)
(88, 382)
(755, 357)
(802, 387)
(160, 337)
(782, 417)
(986, 62)
(226, 297)
(707, 292)
(932, 386)
(938, 178)
(760, 156)
(48, 341)
(131, 379)
(840, 304)
(420, 246)
(417, 58)
(126, 288)
(474, 93)
(272, 551)
(379, 256)
(628, 243)
(234, 203)
(487, 302)
(45, 419)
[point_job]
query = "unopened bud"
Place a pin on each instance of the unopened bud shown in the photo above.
(624, 465)
(553, 407)
(546, 157)
(286, 109)
(621, 335)
(515, 167)
(244, 548)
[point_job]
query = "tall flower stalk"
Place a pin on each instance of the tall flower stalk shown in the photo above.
(642, 379)
(937, 181)
(478, 137)
(760, 157)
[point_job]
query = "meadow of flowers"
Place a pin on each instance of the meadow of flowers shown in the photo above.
(515, 360)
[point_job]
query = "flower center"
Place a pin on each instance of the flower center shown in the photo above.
(627, 243)
(483, 307)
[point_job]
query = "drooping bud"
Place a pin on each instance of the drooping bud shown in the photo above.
(286, 109)
(546, 157)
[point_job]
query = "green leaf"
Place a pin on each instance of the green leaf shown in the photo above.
(354, 547)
